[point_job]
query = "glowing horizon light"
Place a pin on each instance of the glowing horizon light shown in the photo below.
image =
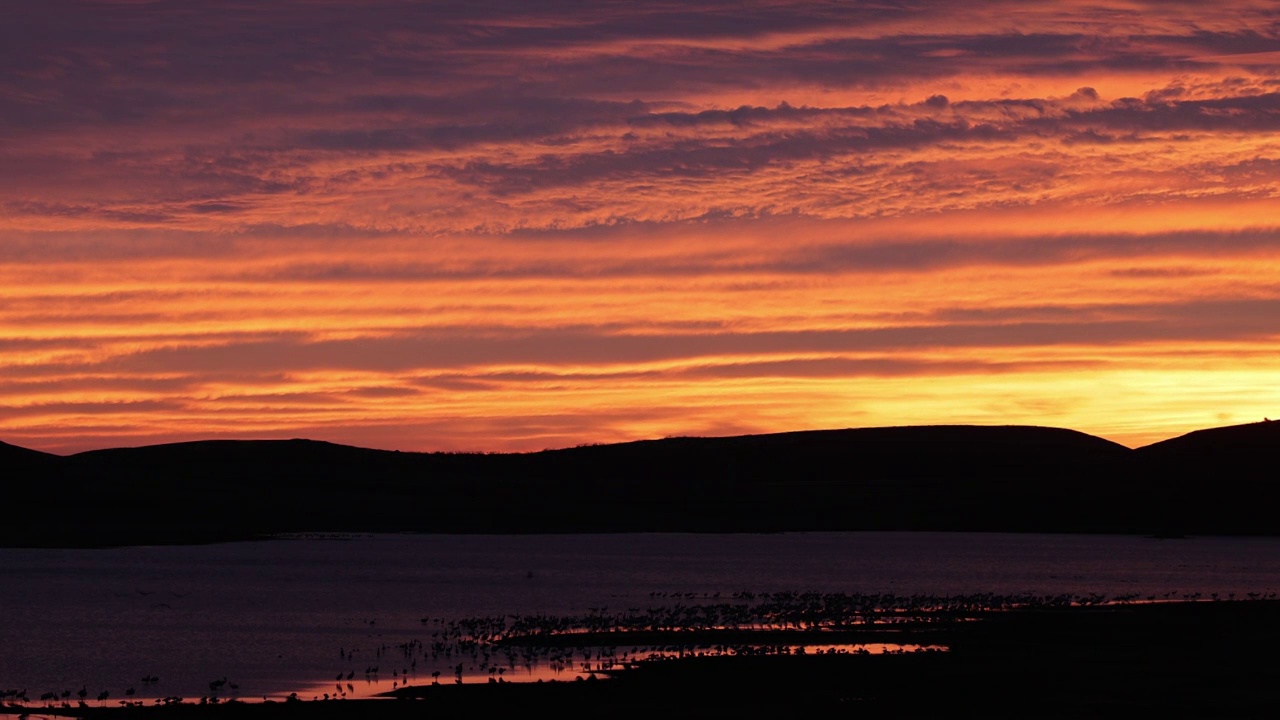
(447, 228)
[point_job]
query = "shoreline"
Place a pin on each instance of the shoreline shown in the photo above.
(1189, 658)
(354, 535)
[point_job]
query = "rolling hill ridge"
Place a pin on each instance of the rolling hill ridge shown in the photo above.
(944, 477)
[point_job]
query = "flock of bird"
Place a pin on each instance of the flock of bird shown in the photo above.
(495, 648)
(63, 698)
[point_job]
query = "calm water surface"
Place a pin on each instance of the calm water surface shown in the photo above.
(285, 615)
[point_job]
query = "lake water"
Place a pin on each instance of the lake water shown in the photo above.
(290, 615)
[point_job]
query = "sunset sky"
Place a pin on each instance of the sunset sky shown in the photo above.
(516, 225)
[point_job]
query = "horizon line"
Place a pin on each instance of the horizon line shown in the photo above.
(1265, 420)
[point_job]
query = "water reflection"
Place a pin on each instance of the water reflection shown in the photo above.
(287, 616)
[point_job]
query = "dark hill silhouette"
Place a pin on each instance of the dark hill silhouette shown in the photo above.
(24, 472)
(15, 456)
(1258, 442)
(945, 477)
(1219, 480)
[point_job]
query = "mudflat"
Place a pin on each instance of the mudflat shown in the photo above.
(1182, 659)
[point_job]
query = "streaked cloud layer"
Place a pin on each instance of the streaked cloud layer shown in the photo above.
(505, 226)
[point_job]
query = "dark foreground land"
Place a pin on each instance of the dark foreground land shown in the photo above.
(1179, 659)
(939, 478)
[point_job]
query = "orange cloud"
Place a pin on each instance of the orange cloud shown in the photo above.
(421, 227)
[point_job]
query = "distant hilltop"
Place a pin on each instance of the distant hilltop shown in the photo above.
(938, 477)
